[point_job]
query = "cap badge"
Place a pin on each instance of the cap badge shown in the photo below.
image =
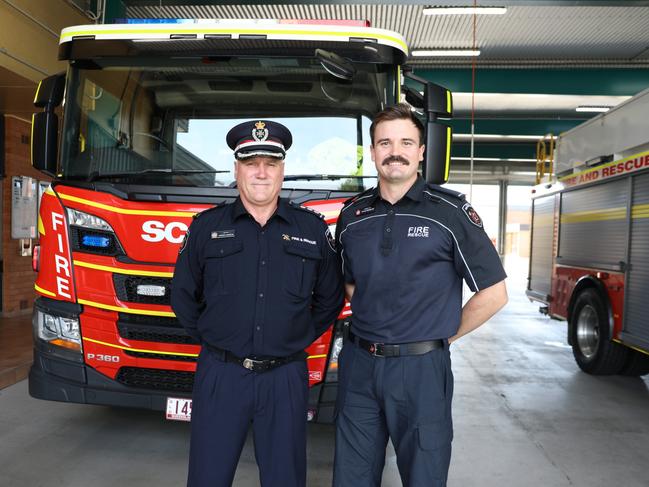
(260, 132)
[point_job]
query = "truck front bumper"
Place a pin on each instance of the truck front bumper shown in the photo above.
(56, 379)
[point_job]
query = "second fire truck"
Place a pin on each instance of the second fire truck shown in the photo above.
(589, 261)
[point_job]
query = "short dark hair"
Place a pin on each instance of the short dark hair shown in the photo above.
(400, 111)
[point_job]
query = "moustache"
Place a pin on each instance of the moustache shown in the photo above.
(390, 159)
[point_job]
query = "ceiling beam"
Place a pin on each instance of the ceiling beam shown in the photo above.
(29, 35)
(492, 3)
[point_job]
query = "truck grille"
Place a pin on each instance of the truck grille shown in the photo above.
(149, 320)
(160, 356)
(153, 329)
(158, 379)
(126, 289)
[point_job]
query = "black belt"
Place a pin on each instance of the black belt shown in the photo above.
(255, 365)
(396, 350)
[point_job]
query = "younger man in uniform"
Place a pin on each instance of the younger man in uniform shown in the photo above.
(406, 246)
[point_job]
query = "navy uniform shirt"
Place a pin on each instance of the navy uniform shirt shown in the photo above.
(257, 291)
(407, 262)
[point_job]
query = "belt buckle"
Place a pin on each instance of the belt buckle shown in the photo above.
(255, 365)
(376, 349)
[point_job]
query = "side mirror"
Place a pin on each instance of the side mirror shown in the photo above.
(437, 102)
(45, 127)
(49, 95)
(437, 159)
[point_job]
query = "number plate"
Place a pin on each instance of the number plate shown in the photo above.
(179, 409)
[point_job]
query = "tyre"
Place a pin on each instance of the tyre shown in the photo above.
(636, 365)
(592, 347)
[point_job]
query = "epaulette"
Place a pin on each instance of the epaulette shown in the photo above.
(200, 213)
(306, 208)
(460, 199)
(445, 191)
(436, 193)
(355, 198)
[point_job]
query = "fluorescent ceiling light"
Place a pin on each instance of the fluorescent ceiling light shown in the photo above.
(526, 138)
(592, 109)
(445, 52)
(493, 159)
(464, 10)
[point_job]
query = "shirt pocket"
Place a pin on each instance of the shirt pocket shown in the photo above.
(222, 263)
(300, 269)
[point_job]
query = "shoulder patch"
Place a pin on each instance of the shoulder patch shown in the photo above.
(330, 239)
(201, 213)
(307, 209)
(472, 215)
(184, 242)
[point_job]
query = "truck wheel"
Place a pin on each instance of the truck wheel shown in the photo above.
(592, 347)
(636, 365)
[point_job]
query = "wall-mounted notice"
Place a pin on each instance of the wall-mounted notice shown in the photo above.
(24, 199)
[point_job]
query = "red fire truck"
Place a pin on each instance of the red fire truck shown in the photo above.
(589, 261)
(141, 149)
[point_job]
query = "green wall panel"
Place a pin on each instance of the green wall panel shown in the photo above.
(505, 151)
(516, 127)
(622, 82)
(115, 9)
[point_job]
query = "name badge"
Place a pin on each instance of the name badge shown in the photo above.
(223, 234)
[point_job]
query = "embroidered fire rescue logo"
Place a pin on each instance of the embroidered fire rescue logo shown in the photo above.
(260, 132)
(292, 238)
(418, 232)
(472, 215)
(365, 211)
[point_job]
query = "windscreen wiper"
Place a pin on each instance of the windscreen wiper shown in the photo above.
(94, 176)
(323, 177)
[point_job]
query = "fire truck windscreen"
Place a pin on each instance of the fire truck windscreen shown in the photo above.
(166, 125)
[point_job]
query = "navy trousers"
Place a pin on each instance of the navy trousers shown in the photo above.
(227, 398)
(407, 399)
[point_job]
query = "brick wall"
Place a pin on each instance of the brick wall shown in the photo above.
(17, 275)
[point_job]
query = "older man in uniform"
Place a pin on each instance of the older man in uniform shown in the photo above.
(256, 282)
(406, 246)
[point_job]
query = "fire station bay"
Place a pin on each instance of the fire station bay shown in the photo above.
(421, 157)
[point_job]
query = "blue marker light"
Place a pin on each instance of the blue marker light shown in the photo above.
(95, 241)
(155, 21)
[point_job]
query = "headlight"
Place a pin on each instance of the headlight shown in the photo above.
(86, 220)
(58, 330)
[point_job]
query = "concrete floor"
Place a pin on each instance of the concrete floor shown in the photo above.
(524, 416)
(15, 349)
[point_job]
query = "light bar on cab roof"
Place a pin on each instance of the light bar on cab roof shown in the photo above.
(291, 30)
(345, 22)
(348, 23)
